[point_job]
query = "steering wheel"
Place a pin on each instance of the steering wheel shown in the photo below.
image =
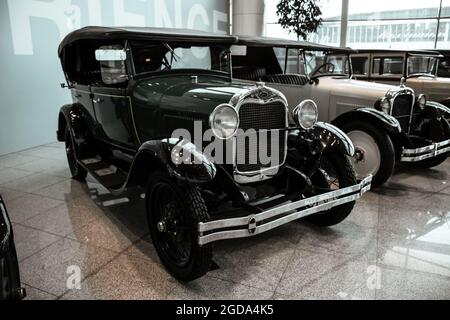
(326, 64)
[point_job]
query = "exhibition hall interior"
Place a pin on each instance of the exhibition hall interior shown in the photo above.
(225, 149)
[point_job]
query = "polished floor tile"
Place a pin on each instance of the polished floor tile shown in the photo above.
(33, 182)
(29, 206)
(394, 245)
(10, 174)
(51, 268)
(125, 278)
(29, 241)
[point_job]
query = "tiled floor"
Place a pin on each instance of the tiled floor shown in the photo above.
(395, 244)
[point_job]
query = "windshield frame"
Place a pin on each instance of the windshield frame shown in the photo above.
(171, 50)
(348, 63)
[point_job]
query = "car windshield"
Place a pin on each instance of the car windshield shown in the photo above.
(323, 64)
(418, 65)
(166, 56)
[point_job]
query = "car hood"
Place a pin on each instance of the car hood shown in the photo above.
(185, 93)
(357, 89)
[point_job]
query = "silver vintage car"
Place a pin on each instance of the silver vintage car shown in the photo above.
(386, 123)
(419, 68)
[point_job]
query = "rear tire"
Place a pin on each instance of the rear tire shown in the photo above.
(173, 214)
(375, 149)
(341, 174)
(77, 171)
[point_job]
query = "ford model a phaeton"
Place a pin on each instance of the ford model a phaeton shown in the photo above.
(385, 123)
(138, 95)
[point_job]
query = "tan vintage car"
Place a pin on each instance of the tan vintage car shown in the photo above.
(386, 123)
(418, 68)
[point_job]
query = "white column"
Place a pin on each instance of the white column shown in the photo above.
(344, 23)
(248, 17)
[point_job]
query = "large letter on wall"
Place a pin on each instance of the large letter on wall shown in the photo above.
(162, 16)
(197, 10)
(61, 12)
(123, 18)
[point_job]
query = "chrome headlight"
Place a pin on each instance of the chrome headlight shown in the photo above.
(422, 101)
(305, 114)
(385, 105)
(224, 121)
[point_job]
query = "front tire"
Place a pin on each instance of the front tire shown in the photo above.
(375, 153)
(336, 172)
(173, 214)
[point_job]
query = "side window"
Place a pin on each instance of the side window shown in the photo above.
(444, 67)
(360, 66)
(387, 66)
(393, 66)
(112, 64)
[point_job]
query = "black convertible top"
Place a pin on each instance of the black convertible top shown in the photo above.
(187, 35)
(278, 42)
(144, 33)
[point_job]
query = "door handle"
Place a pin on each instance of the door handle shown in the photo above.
(97, 100)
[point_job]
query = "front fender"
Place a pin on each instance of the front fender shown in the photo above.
(334, 137)
(371, 115)
(180, 158)
(435, 109)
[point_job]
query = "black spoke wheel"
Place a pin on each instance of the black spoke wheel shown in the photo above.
(336, 172)
(78, 172)
(173, 214)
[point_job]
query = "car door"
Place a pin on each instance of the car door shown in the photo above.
(110, 99)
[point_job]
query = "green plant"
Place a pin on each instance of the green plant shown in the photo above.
(299, 16)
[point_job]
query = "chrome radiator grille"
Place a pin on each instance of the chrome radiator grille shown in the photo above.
(261, 117)
(402, 110)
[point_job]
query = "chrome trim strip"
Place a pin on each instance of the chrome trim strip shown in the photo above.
(431, 151)
(248, 224)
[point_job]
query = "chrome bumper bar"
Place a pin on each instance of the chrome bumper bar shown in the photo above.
(431, 151)
(254, 224)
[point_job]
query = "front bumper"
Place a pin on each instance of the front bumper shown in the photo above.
(431, 151)
(254, 224)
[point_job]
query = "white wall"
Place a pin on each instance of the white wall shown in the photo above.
(30, 72)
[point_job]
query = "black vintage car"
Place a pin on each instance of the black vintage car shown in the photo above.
(139, 93)
(10, 287)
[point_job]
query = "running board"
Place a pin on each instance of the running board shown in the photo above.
(110, 176)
